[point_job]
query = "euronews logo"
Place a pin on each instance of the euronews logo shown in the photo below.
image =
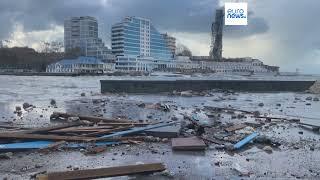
(236, 14)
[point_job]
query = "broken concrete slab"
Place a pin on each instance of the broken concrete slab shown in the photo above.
(188, 144)
(165, 132)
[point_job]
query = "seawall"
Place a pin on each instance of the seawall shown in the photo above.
(157, 86)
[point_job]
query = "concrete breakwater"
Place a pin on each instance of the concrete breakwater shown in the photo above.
(156, 86)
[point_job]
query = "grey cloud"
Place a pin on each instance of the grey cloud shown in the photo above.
(192, 16)
(256, 25)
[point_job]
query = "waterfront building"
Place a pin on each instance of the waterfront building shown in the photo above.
(171, 43)
(137, 37)
(78, 65)
(82, 32)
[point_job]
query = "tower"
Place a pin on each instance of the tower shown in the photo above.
(216, 35)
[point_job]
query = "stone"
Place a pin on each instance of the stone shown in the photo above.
(142, 105)
(73, 119)
(26, 105)
(261, 104)
(186, 93)
(300, 132)
(268, 149)
(18, 108)
(53, 102)
(309, 98)
(7, 155)
(83, 94)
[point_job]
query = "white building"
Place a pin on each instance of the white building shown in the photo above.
(82, 32)
(79, 65)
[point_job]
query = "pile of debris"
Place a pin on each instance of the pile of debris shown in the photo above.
(78, 132)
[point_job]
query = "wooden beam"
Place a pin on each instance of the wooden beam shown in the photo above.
(123, 124)
(104, 172)
(46, 129)
(107, 131)
(42, 137)
(88, 118)
(235, 127)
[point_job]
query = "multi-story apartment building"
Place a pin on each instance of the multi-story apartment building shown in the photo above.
(82, 32)
(137, 37)
(171, 43)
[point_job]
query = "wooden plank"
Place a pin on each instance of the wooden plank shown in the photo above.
(42, 137)
(101, 132)
(89, 118)
(123, 124)
(235, 127)
(136, 130)
(105, 172)
(46, 129)
(187, 144)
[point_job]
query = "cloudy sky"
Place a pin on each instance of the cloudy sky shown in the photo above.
(279, 32)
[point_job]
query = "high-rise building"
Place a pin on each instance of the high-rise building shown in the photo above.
(82, 32)
(137, 37)
(171, 43)
(216, 36)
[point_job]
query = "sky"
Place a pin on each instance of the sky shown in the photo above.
(279, 32)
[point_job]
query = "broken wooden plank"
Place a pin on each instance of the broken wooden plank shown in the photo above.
(46, 129)
(82, 129)
(42, 137)
(135, 130)
(106, 131)
(88, 118)
(235, 127)
(245, 141)
(188, 144)
(123, 124)
(105, 172)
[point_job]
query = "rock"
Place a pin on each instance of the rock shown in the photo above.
(309, 98)
(26, 105)
(18, 108)
(315, 99)
(256, 113)
(83, 94)
(300, 132)
(7, 155)
(174, 118)
(263, 139)
(73, 119)
(53, 102)
(186, 93)
(268, 149)
(142, 105)
(261, 104)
